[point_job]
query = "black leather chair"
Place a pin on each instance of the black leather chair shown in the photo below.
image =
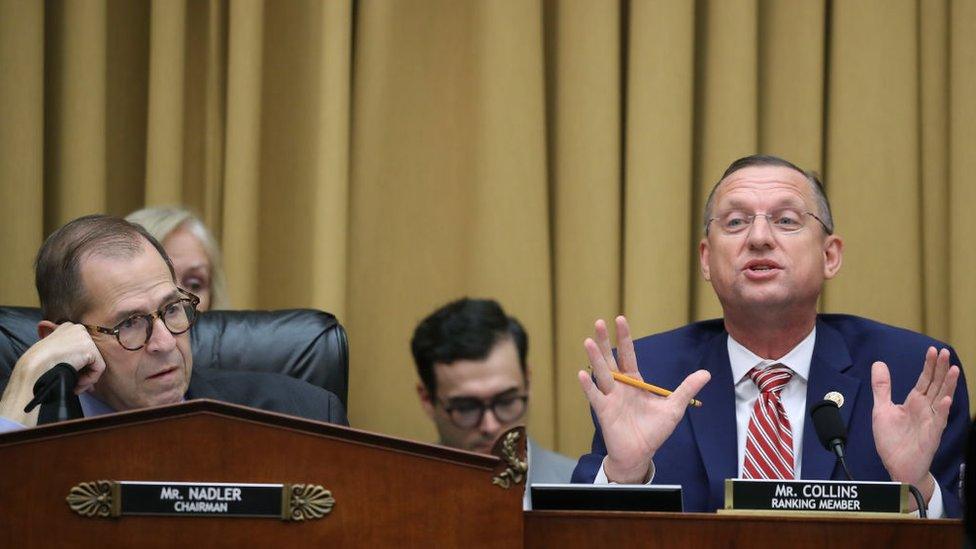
(303, 343)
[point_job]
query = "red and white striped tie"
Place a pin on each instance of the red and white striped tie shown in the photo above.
(769, 442)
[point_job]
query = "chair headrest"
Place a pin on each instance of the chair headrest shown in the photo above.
(18, 331)
(306, 344)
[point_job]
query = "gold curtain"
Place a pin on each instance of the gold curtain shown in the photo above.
(377, 159)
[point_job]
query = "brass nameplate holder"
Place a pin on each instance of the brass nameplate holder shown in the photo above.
(289, 502)
(817, 497)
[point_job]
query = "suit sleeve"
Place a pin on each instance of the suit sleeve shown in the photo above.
(948, 458)
(337, 411)
(589, 464)
(317, 403)
(6, 425)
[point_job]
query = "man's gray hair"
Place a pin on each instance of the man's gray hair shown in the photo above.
(57, 269)
(823, 205)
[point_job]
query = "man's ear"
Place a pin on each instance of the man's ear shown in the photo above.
(426, 402)
(703, 252)
(833, 256)
(45, 327)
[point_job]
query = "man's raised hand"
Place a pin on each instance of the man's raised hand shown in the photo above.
(635, 423)
(907, 435)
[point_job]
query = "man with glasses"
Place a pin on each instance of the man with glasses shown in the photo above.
(768, 249)
(470, 357)
(112, 310)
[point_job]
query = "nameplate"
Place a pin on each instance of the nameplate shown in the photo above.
(815, 496)
(107, 498)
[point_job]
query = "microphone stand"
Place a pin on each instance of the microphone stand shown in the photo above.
(837, 445)
(833, 435)
(838, 448)
(54, 391)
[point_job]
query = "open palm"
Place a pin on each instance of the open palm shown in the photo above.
(908, 435)
(635, 423)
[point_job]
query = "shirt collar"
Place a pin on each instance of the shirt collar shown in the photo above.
(91, 406)
(797, 359)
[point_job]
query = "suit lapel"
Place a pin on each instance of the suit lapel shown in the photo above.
(830, 361)
(713, 425)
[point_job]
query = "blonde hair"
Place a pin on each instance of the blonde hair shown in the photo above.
(163, 221)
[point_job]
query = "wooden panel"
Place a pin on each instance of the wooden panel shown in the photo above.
(662, 530)
(387, 491)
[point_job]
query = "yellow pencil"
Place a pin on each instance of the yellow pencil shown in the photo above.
(625, 379)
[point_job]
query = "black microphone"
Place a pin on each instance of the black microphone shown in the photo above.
(54, 391)
(831, 430)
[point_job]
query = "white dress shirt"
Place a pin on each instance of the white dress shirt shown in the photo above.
(793, 396)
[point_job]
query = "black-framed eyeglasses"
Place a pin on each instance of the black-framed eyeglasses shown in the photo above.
(785, 221)
(133, 333)
(467, 412)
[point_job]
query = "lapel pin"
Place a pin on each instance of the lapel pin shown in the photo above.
(836, 397)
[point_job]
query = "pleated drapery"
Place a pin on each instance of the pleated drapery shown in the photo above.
(378, 159)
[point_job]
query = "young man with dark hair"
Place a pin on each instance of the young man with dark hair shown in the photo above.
(112, 310)
(470, 357)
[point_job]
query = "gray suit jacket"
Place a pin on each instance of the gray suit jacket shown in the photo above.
(271, 392)
(548, 467)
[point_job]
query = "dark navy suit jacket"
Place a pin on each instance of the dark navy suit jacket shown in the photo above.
(702, 451)
(264, 390)
(267, 391)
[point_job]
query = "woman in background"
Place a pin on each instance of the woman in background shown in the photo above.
(192, 249)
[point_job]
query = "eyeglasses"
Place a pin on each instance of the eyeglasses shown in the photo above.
(133, 332)
(467, 412)
(786, 221)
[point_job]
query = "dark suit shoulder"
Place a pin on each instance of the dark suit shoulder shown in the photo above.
(267, 391)
(691, 338)
(859, 331)
(667, 357)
